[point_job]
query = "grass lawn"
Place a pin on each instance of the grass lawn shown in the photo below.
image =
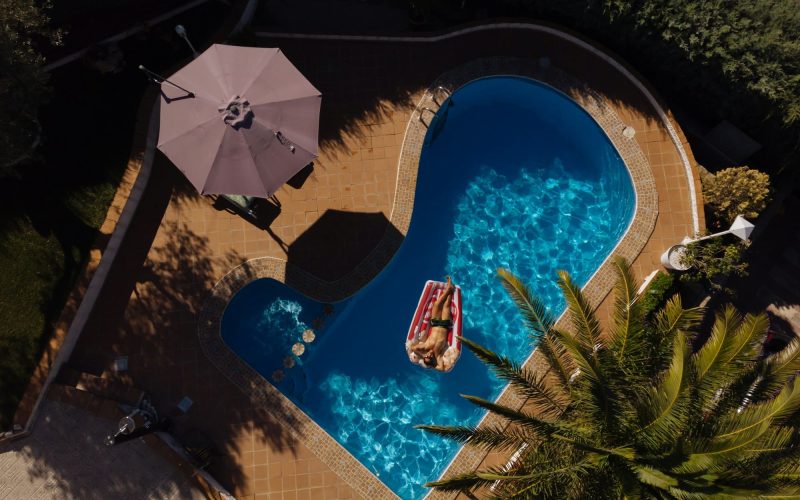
(49, 218)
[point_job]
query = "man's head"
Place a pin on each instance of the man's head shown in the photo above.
(429, 358)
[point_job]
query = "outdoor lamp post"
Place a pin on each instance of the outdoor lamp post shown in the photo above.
(672, 258)
(181, 31)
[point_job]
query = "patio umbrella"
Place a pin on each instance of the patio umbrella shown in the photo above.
(239, 120)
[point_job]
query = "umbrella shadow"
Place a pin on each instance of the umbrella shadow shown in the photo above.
(340, 242)
(300, 177)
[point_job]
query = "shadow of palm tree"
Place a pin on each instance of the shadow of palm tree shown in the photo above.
(774, 263)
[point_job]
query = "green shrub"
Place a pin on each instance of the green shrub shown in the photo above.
(24, 25)
(660, 288)
(712, 260)
(734, 191)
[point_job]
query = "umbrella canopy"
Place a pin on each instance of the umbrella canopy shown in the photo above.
(239, 120)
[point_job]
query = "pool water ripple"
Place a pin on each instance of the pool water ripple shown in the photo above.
(542, 190)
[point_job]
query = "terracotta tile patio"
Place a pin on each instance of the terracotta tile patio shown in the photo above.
(181, 244)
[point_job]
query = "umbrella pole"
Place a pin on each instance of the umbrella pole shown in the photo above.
(159, 79)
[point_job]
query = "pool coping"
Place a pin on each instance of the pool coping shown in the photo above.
(641, 226)
(262, 393)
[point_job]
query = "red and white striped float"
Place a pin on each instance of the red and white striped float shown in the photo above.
(420, 325)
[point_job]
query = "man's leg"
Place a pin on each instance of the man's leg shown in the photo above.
(436, 311)
(441, 308)
(448, 300)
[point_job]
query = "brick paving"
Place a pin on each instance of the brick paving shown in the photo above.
(181, 244)
(65, 458)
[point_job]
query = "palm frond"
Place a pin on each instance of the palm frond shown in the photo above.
(741, 430)
(774, 440)
(788, 468)
(663, 409)
(697, 488)
(654, 477)
(527, 479)
(538, 426)
(718, 348)
(772, 464)
(777, 368)
(539, 321)
(721, 365)
(754, 416)
(486, 438)
(592, 390)
(785, 492)
(468, 481)
(558, 359)
(587, 328)
(673, 318)
(583, 358)
(527, 382)
(747, 337)
(659, 334)
(535, 314)
(562, 431)
(731, 397)
(543, 480)
(626, 333)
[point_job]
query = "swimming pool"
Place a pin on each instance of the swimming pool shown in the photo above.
(512, 174)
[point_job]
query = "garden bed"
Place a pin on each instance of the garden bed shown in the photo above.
(49, 217)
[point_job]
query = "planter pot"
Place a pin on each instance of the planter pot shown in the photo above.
(671, 259)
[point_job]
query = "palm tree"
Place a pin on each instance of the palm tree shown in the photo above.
(636, 412)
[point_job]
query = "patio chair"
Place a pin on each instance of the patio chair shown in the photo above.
(242, 204)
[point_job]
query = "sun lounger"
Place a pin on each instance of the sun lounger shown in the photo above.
(243, 204)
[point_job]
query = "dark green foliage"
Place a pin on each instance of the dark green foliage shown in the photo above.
(713, 260)
(658, 290)
(751, 47)
(737, 60)
(51, 210)
(639, 415)
(23, 82)
(735, 191)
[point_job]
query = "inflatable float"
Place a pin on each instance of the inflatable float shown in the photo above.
(420, 324)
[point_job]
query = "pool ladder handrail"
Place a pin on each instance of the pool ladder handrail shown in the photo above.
(421, 114)
(438, 89)
(434, 93)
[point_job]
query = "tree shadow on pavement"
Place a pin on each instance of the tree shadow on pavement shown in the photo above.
(148, 311)
(66, 457)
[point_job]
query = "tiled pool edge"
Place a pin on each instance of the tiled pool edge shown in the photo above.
(263, 394)
(629, 246)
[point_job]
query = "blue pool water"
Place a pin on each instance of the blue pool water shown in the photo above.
(513, 174)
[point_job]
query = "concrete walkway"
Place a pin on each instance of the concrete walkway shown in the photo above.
(65, 458)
